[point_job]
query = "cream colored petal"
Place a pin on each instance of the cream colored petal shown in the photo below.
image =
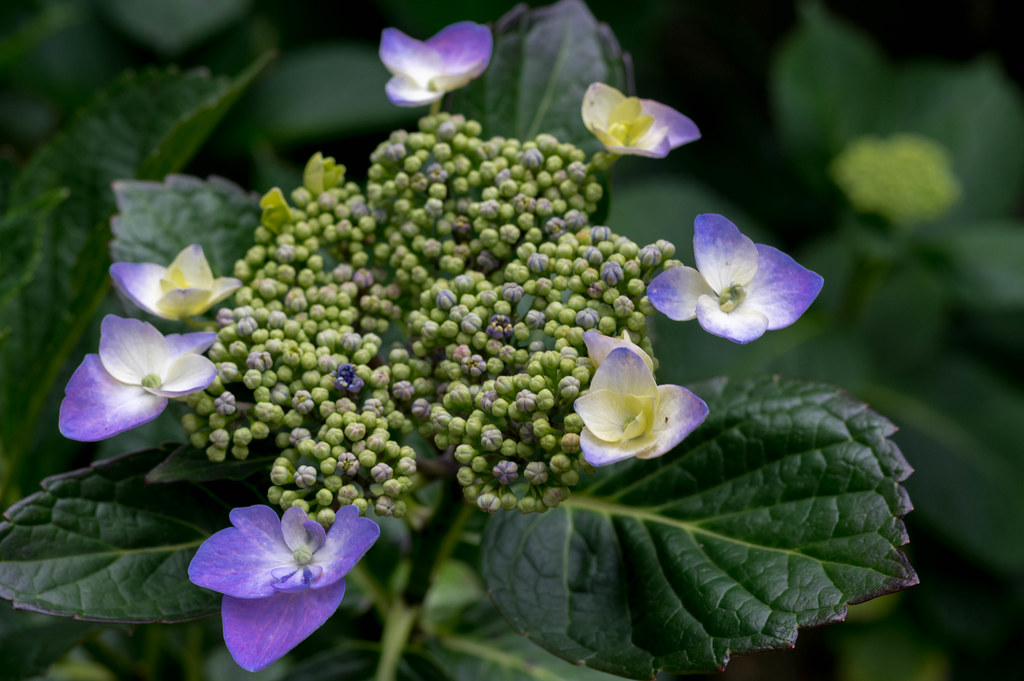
(222, 288)
(184, 302)
(612, 416)
(624, 372)
(192, 264)
(599, 345)
(598, 103)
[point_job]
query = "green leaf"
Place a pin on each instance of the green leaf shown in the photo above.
(20, 233)
(171, 27)
(313, 93)
(156, 220)
(122, 134)
(543, 61)
(49, 19)
(359, 664)
(828, 83)
(483, 647)
(188, 464)
(985, 264)
(97, 544)
(30, 643)
(960, 425)
(783, 507)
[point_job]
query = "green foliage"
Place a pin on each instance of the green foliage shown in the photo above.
(29, 643)
(171, 27)
(188, 464)
(985, 262)
(98, 544)
(777, 512)
(145, 123)
(543, 62)
(155, 220)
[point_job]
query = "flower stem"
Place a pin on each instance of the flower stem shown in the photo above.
(435, 107)
(397, 628)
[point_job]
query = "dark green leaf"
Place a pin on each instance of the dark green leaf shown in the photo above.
(21, 231)
(543, 62)
(30, 643)
(156, 220)
(960, 426)
(777, 512)
(828, 83)
(125, 131)
(360, 664)
(317, 92)
(45, 22)
(98, 544)
(986, 264)
(171, 27)
(188, 464)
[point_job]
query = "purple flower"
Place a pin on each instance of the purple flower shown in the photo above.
(129, 382)
(281, 578)
(346, 378)
(739, 290)
(423, 71)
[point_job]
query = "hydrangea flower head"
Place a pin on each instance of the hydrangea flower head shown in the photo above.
(423, 71)
(281, 578)
(740, 289)
(626, 414)
(129, 382)
(184, 288)
(627, 125)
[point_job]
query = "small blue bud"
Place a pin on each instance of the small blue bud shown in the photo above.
(531, 158)
(303, 402)
(505, 472)
(305, 476)
(526, 401)
(538, 263)
(394, 152)
(260, 361)
(512, 292)
(575, 220)
(487, 400)
(649, 256)
(611, 273)
(592, 255)
(351, 341)
(402, 391)
(500, 327)
(554, 227)
(348, 464)
(569, 388)
(474, 365)
(488, 209)
(446, 298)
(577, 172)
(225, 317)
(363, 278)
(298, 435)
(435, 173)
(536, 472)
(276, 319)
(381, 472)
(535, 319)
(421, 409)
(285, 253)
(346, 378)
(588, 318)
(600, 233)
(225, 403)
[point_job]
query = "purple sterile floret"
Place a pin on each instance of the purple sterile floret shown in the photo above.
(281, 578)
(346, 378)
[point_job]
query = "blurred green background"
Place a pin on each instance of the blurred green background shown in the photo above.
(922, 317)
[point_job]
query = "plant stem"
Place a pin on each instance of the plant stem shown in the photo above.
(397, 628)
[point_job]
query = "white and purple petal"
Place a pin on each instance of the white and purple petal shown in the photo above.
(260, 631)
(193, 266)
(185, 375)
(131, 349)
(724, 256)
(348, 540)
(599, 345)
(141, 283)
(742, 325)
(782, 289)
(404, 91)
(679, 129)
(184, 302)
(623, 371)
(197, 342)
(222, 288)
(299, 531)
(675, 292)
(97, 406)
(465, 48)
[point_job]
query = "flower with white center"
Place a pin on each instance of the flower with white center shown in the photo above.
(740, 289)
(626, 414)
(129, 382)
(423, 71)
(628, 125)
(599, 345)
(281, 578)
(184, 288)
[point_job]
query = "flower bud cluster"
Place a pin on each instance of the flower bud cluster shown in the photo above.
(482, 253)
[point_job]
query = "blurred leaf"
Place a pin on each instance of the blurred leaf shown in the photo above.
(98, 544)
(172, 27)
(665, 208)
(423, 19)
(780, 509)
(890, 652)
(828, 82)
(543, 61)
(960, 428)
(314, 93)
(485, 648)
(47, 20)
(454, 587)
(21, 231)
(986, 264)
(188, 464)
(976, 112)
(30, 643)
(121, 134)
(355, 664)
(156, 220)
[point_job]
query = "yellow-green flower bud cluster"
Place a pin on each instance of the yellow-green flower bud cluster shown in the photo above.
(482, 254)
